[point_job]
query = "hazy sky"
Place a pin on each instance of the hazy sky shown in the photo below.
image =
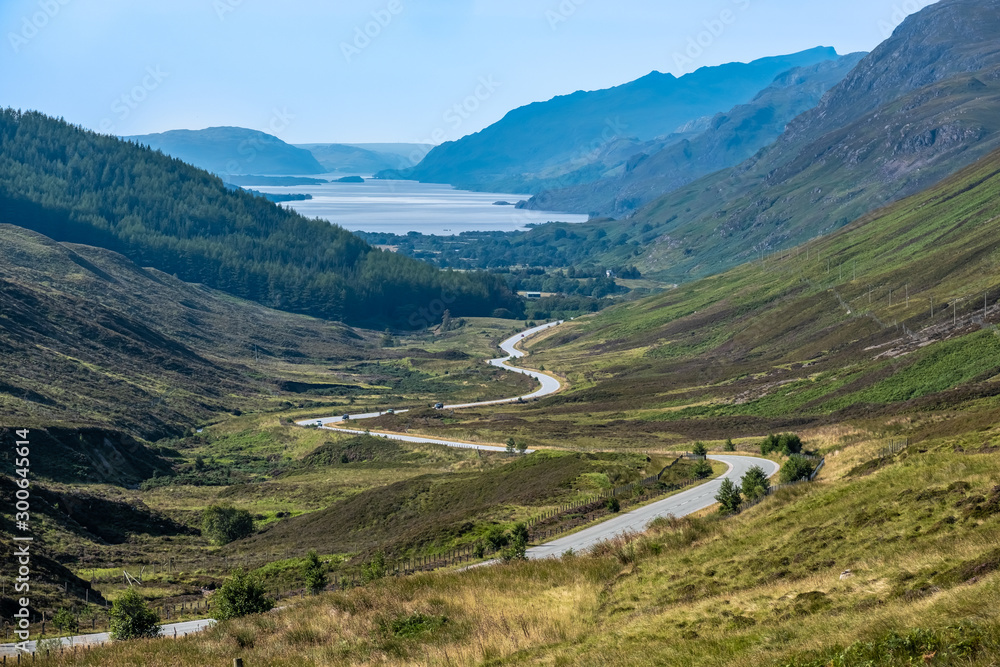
(306, 70)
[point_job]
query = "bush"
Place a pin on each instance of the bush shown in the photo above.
(497, 538)
(131, 618)
(786, 443)
(315, 573)
(65, 621)
(240, 595)
(699, 449)
(517, 550)
(729, 497)
(796, 468)
(730, 446)
(754, 484)
(520, 533)
(223, 525)
(702, 469)
(613, 505)
(375, 568)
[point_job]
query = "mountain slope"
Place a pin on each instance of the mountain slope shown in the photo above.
(233, 150)
(81, 187)
(90, 339)
(919, 107)
(731, 138)
(883, 317)
(513, 153)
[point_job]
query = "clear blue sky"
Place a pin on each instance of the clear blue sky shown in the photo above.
(298, 69)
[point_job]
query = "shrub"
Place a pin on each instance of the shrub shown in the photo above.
(223, 525)
(730, 446)
(131, 617)
(796, 468)
(315, 573)
(520, 533)
(786, 443)
(613, 505)
(517, 550)
(702, 469)
(497, 538)
(511, 445)
(729, 497)
(65, 621)
(699, 449)
(375, 568)
(754, 484)
(240, 595)
(522, 447)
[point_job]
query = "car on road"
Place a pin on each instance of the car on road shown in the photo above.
(439, 406)
(346, 417)
(390, 411)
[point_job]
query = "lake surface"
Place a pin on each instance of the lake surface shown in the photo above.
(406, 206)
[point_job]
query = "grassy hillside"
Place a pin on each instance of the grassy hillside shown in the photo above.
(91, 339)
(894, 568)
(77, 186)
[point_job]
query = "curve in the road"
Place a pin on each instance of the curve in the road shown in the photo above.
(681, 504)
(548, 385)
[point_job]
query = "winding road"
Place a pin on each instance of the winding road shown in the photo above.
(681, 504)
(549, 385)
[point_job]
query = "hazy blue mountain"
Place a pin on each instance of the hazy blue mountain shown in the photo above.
(729, 138)
(544, 139)
(924, 104)
(357, 159)
(233, 150)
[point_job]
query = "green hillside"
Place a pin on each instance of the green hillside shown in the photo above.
(883, 317)
(81, 187)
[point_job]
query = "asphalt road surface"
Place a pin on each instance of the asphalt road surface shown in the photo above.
(168, 630)
(681, 504)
